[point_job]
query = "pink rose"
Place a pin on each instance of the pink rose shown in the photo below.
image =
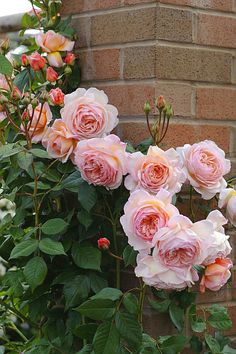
(158, 169)
(70, 59)
(58, 141)
(38, 124)
(205, 166)
(101, 161)
(227, 199)
(3, 83)
(53, 43)
(144, 215)
(36, 61)
(216, 275)
(56, 96)
(88, 114)
(51, 74)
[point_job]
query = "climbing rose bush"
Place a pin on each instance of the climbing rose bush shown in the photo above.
(93, 228)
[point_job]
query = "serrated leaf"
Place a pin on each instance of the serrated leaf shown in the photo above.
(97, 282)
(87, 196)
(54, 226)
(177, 316)
(129, 256)
(40, 153)
(129, 328)
(86, 331)
(35, 272)
(106, 339)
(109, 294)
(24, 249)
(76, 291)
(97, 309)
(130, 302)
(172, 344)
(87, 257)
(5, 66)
(85, 218)
(160, 306)
(51, 247)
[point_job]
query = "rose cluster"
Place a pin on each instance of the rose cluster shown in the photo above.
(171, 247)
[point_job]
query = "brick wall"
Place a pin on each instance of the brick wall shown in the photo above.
(184, 49)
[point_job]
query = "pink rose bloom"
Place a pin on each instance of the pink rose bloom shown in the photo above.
(53, 43)
(144, 215)
(227, 199)
(205, 166)
(58, 141)
(101, 161)
(3, 86)
(40, 120)
(36, 61)
(56, 96)
(155, 274)
(215, 243)
(216, 275)
(88, 114)
(158, 169)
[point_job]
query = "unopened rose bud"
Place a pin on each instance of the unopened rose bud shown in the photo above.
(147, 107)
(51, 74)
(56, 96)
(37, 62)
(34, 102)
(67, 70)
(160, 102)
(5, 45)
(70, 59)
(24, 60)
(3, 99)
(25, 101)
(103, 244)
(25, 116)
(168, 111)
(44, 96)
(16, 94)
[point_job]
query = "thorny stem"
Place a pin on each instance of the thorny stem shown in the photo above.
(141, 300)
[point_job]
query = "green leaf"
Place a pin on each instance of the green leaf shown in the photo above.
(35, 272)
(87, 196)
(109, 294)
(130, 302)
(87, 257)
(97, 282)
(51, 247)
(9, 150)
(212, 344)
(177, 316)
(40, 185)
(129, 328)
(72, 182)
(24, 160)
(85, 218)
(97, 309)
(22, 80)
(24, 249)
(172, 344)
(40, 153)
(228, 350)
(5, 66)
(196, 345)
(129, 256)
(87, 349)
(86, 331)
(160, 306)
(198, 325)
(76, 290)
(106, 339)
(54, 226)
(220, 321)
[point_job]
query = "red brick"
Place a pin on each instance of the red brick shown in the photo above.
(208, 31)
(193, 64)
(77, 6)
(129, 99)
(139, 62)
(223, 5)
(132, 2)
(178, 95)
(100, 64)
(216, 103)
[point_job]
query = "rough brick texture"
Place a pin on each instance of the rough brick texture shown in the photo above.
(184, 49)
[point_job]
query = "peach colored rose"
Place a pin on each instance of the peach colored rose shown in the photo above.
(38, 125)
(53, 43)
(101, 161)
(51, 74)
(227, 199)
(5, 87)
(88, 114)
(58, 141)
(158, 169)
(144, 215)
(70, 59)
(36, 61)
(56, 96)
(216, 275)
(205, 166)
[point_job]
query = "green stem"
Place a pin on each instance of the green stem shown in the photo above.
(141, 301)
(13, 326)
(192, 215)
(116, 251)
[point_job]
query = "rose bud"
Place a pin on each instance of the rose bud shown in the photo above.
(147, 107)
(37, 62)
(56, 96)
(16, 93)
(103, 244)
(51, 74)
(70, 59)
(67, 70)
(25, 116)
(160, 102)
(24, 60)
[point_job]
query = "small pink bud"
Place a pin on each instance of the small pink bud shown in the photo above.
(51, 74)
(25, 116)
(56, 96)
(103, 244)
(24, 60)
(37, 62)
(16, 93)
(160, 102)
(70, 59)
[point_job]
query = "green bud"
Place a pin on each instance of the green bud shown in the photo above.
(147, 107)
(34, 102)
(67, 70)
